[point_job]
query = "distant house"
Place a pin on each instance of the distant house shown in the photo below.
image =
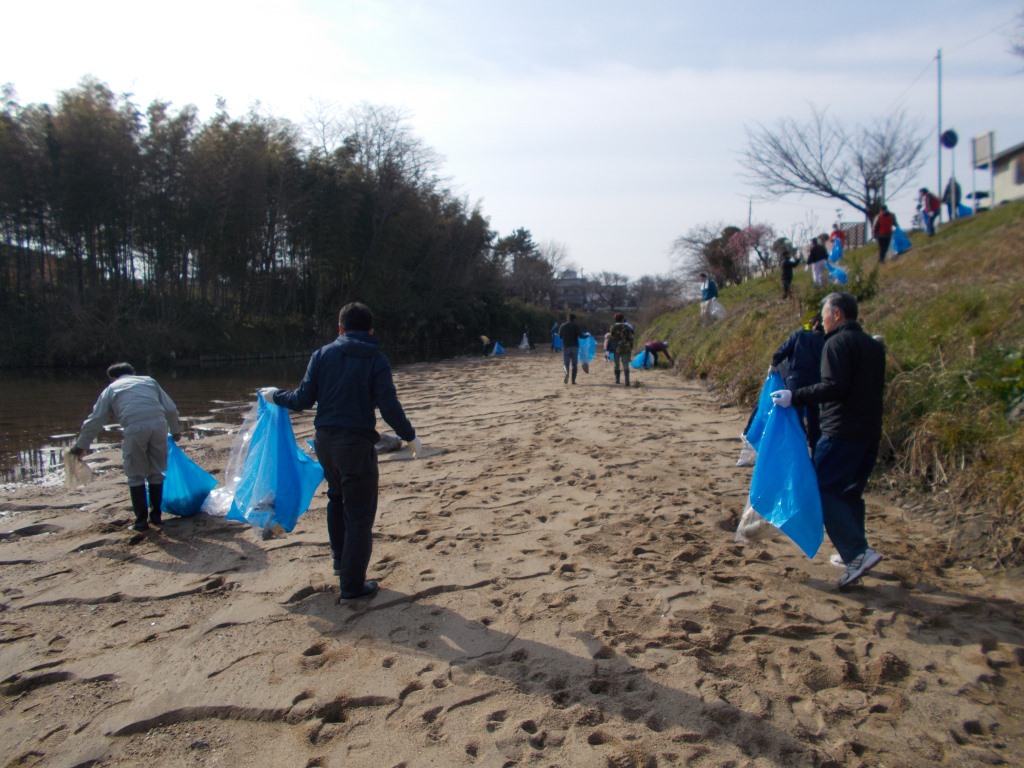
(1008, 176)
(570, 291)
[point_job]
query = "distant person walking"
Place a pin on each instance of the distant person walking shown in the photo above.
(146, 414)
(850, 396)
(951, 197)
(654, 347)
(929, 205)
(816, 259)
(838, 242)
(570, 333)
(883, 226)
(708, 292)
(787, 265)
(622, 345)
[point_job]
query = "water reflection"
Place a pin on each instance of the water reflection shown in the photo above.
(41, 411)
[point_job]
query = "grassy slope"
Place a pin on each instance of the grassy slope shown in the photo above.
(952, 314)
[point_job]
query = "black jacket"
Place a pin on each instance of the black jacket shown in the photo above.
(802, 350)
(852, 381)
(348, 379)
(570, 334)
(818, 253)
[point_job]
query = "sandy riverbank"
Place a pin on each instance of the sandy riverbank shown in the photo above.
(560, 587)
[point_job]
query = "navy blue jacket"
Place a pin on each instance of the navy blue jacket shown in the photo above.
(851, 386)
(802, 350)
(348, 379)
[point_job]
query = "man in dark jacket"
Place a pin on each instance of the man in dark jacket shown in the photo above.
(788, 262)
(570, 333)
(850, 396)
(348, 379)
(817, 259)
(801, 354)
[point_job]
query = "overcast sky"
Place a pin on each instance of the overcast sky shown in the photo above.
(610, 128)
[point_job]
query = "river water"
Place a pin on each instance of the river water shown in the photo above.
(41, 411)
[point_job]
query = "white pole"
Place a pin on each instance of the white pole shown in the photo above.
(938, 144)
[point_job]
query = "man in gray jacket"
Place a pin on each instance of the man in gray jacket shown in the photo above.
(146, 414)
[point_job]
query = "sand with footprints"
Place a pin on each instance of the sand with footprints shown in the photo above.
(559, 587)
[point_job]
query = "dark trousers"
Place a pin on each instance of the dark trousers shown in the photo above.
(810, 418)
(843, 468)
(350, 468)
(883, 246)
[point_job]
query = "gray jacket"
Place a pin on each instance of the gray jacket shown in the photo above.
(129, 400)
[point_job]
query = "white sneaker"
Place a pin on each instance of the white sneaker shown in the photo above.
(836, 560)
(566, 379)
(859, 566)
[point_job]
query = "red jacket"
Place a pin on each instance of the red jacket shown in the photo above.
(884, 224)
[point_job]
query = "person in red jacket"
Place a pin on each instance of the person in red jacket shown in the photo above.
(929, 205)
(884, 225)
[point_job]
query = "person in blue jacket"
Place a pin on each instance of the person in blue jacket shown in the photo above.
(800, 354)
(348, 380)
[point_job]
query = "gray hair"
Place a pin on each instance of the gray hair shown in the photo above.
(844, 302)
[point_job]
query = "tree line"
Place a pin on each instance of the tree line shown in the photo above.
(124, 229)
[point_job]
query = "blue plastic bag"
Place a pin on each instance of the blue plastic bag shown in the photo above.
(900, 242)
(556, 341)
(784, 487)
(838, 274)
(643, 359)
(588, 346)
(186, 484)
(773, 383)
(837, 250)
(277, 479)
(963, 211)
(498, 349)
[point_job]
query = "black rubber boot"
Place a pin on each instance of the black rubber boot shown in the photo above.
(627, 377)
(156, 497)
(616, 377)
(138, 494)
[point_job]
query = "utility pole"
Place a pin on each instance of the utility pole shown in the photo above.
(938, 144)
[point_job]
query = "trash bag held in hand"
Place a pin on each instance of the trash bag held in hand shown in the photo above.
(643, 359)
(556, 341)
(186, 484)
(498, 349)
(837, 251)
(900, 242)
(588, 346)
(838, 273)
(772, 383)
(715, 309)
(277, 479)
(784, 487)
(76, 472)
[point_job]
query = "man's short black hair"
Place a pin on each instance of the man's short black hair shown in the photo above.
(572, 316)
(844, 302)
(117, 370)
(619, 317)
(355, 316)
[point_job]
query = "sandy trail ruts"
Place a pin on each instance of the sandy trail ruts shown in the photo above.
(560, 587)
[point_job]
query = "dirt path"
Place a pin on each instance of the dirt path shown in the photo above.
(560, 587)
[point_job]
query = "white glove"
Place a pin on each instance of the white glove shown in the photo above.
(267, 393)
(783, 397)
(416, 446)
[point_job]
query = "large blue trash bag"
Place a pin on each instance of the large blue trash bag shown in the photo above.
(963, 211)
(838, 274)
(900, 242)
(643, 359)
(498, 349)
(772, 383)
(837, 250)
(588, 346)
(784, 487)
(277, 479)
(556, 341)
(186, 484)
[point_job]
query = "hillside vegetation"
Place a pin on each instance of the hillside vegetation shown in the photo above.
(951, 311)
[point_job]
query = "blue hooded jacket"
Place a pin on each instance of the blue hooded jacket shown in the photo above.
(348, 379)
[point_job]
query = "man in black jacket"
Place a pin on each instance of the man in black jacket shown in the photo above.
(850, 396)
(348, 379)
(570, 334)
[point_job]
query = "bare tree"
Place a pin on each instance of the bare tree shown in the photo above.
(754, 244)
(610, 288)
(557, 255)
(860, 167)
(705, 248)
